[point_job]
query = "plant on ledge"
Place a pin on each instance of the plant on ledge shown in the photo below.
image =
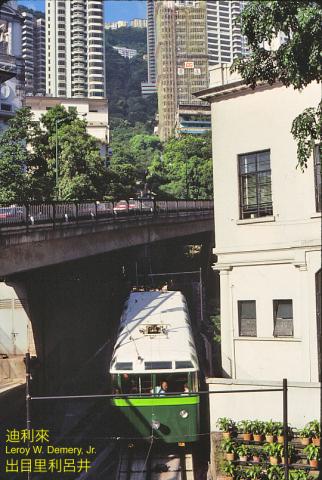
(258, 430)
(274, 472)
(229, 448)
(298, 475)
(226, 425)
(270, 430)
(229, 470)
(315, 429)
(273, 451)
(313, 454)
(254, 472)
(243, 451)
(256, 454)
(305, 435)
(245, 427)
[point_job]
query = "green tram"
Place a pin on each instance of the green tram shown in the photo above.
(154, 369)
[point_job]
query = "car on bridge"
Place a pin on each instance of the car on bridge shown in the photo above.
(12, 214)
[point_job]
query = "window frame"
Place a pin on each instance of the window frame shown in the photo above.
(239, 307)
(243, 214)
(275, 318)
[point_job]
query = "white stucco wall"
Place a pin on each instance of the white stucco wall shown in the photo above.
(303, 401)
(266, 258)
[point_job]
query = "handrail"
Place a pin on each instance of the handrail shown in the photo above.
(63, 213)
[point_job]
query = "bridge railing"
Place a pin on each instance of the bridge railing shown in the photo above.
(60, 213)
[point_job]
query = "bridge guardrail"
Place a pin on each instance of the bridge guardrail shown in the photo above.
(61, 213)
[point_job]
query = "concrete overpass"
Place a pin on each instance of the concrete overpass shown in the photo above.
(28, 247)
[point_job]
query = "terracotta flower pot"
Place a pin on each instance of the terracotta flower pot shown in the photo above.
(314, 463)
(243, 458)
(304, 440)
(256, 459)
(273, 460)
(247, 437)
(316, 441)
(280, 438)
(226, 434)
(230, 456)
(258, 437)
(269, 438)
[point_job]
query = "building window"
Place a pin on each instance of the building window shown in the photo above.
(283, 318)
(247, 318)
(255, 194)
(318, 177)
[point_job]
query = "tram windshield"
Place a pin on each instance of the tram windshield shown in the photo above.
(177, 383)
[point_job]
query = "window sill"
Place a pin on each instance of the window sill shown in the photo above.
(246, 221)
(268, 339)
(316, 215)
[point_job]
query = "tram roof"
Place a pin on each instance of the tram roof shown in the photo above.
(139, 350)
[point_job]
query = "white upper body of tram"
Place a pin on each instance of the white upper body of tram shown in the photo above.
(155, 339)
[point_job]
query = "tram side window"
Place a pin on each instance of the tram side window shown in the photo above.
(128, 383)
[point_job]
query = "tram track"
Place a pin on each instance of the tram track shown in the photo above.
(154, 465)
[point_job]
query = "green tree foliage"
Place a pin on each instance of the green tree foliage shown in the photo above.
(297, 62)
(30, 173)
(14, 158)
(184, 170)
(124, 77)
(128, 37)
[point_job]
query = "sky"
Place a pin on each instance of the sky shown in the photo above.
(114, 9)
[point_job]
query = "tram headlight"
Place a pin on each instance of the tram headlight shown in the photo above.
(184, 414)
(155, 424)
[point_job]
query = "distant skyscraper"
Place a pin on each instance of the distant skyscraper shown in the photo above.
(151, 42)
(225, 41)
(150, 86)
(11, 61)
(34, 53)
(75, 62)
(182, 60)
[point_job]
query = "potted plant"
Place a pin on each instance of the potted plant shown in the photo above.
(229, 448)
(245, 427)
(226, 426)
(243, 452)
(274, 472)
(258, 430)
(229, 470)
(256, 454)
(270, 431)
(279, 432)
(315, 430)
(290, 451)
(298, 474)
(273, 451)
(305, 435)
(254, 472)
(312, 453)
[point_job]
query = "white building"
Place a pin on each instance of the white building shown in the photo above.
(75, 62)
(225, 41)
(94, 111)
(126, 52)
(11, 62)
(34, 53)
(139, 23)
(116, 25)
(268, 247)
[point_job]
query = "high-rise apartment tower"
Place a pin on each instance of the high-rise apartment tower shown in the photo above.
(225, 41)
(75, 62)
(182, 59)
(150, 86)
(34, 53)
